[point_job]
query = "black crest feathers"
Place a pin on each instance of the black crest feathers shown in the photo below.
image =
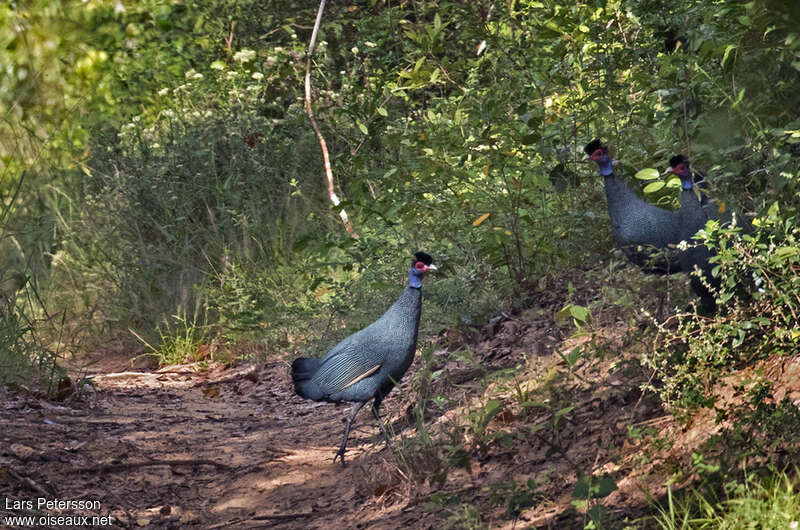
(593, 146)
(423, 257)
(677, 159)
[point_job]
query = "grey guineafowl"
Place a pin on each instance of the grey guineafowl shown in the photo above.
(693, 216)
(366, 365)
(643, 231)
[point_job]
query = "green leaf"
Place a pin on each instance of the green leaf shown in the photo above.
(493, 408)
(363, 128)
(563, 412)
(786, 252)
(653, 187)
(674, 183)
(581, 490)
(647, 174)
(728, 49)
(538, 427)
(381, 111)
(603, 488)
(579, 313)
(573, 357)
(529, 139)
(739, 98)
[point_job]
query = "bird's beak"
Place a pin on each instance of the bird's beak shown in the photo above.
(668, 171)
(585, 157)
(433, 267)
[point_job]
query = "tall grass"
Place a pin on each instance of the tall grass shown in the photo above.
(771, 502)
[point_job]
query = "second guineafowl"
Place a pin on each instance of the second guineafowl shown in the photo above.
(366, 365)
(642, 230)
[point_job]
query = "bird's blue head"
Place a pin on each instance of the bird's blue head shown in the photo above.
(421, 264)
(680, 166)
(598, 153)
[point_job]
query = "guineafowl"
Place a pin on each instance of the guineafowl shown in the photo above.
(693, 216)
(366, 365)
(643, 231)
(690, 181)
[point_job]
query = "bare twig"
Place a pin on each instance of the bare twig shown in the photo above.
(30, 483)
(280, 516)
(263, 517)
(229, 40)
(325, 156)
(133, 465)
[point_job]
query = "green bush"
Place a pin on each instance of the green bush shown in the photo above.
(757, 502)
(759, 302)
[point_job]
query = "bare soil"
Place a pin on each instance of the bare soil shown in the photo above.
(233, 447)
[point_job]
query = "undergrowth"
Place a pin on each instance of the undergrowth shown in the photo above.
(757, 502)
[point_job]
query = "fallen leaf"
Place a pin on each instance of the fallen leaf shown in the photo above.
(211, 392)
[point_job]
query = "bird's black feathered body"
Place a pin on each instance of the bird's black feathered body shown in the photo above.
(366, 365)
(388, 344)
(694, 215)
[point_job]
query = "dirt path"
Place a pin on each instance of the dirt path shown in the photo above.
(235, 448)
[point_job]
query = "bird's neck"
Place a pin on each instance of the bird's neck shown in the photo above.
(405, 309)
(618, 195)
(687, 181)
(414, 280)
(606, 167)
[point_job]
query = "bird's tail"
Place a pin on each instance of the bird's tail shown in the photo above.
(303, 369)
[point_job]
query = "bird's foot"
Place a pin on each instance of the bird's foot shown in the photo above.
(340, 454)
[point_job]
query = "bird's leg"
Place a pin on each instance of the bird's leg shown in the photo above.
(386, 436)
(353, 411)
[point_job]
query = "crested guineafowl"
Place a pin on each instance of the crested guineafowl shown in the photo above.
(643, 231)
(366, 365)
(693, 216)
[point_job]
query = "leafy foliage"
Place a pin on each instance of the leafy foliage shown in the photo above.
(759, 295)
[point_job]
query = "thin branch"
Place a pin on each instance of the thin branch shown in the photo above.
(263, 517)
(325, 156)
(229, 40)
(29, 482)
(133, 465)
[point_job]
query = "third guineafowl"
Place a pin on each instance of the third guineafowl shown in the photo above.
(693, 217)
(366, 365)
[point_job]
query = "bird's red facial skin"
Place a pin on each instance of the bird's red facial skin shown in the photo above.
(597, 155)
(420, 266)
(681, 168)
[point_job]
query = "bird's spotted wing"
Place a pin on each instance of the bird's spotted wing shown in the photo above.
(347, 364)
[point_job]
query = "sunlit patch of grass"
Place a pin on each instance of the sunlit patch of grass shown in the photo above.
(26, 353)
(773, 502)
(183, 342)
